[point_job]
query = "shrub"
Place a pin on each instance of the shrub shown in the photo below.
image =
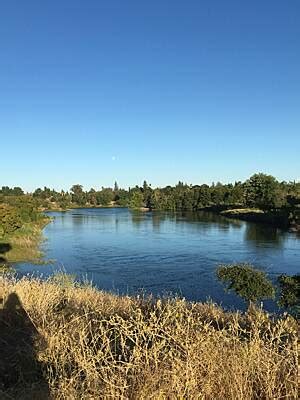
(10, 219)
(290, 292)
(246, 281)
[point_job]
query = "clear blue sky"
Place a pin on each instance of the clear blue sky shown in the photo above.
(96, 91)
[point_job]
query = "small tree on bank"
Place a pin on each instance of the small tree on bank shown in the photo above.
(290, 293)
(246, 281)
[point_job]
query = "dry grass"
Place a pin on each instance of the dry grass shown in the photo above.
(242, 211)
(97, 345)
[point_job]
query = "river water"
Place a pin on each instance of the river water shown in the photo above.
(161, 253)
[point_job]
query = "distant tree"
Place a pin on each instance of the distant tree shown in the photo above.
(204, 198)
(136, 198)
(78, 195)
(17, 191)
(105, 196)
(116, 187)
(262, 191)
(147, 195)
(5, 190)
(218, 192)
(122, 198)
(91, 197)
(246, 281)
(236, 194)
(77, 189)
(37, 193)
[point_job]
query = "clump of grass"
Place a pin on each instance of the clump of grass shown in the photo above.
(99, 345)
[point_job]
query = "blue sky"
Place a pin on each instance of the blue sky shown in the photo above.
(97, 91)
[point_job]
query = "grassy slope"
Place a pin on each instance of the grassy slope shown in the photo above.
(25, 242)
(91, 345)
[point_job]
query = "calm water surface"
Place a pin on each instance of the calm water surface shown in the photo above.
(162, 253)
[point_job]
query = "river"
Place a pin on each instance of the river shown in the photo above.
(161, 253)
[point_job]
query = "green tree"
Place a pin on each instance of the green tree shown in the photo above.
(10, 219)
(136, 198)
(204, 198)
(116, 187)
(246, 281)
(262, 191)
(91, 197)
(122, 198)
(105, 196)
(78, 195)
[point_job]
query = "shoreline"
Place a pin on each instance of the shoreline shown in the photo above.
(279, 219)
(25, 244)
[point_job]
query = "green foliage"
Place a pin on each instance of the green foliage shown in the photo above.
(10, 219)
(16, 211)
(105, 196)
(289, 292)
(78, 195)
(136, 198)
(121, 198)
(259, 191)
(246, 281)
(26, 206)
(7, 191)
(263, 191)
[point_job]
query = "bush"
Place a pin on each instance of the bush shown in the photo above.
(100, 346)
(290, 292)
(246, 281)
(10, 219)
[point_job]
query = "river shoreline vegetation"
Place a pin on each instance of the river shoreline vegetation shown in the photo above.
(65, 340)
(21, 225)
(261, 198)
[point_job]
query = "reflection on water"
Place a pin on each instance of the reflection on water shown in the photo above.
(162, 252)
(260, 234)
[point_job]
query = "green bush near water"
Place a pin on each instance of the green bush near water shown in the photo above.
(10, 219)
(247, 282)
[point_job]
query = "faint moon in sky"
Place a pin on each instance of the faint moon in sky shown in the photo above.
(113, 158)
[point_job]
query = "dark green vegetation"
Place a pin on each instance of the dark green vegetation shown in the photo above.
(261, 198)
(290, 293)
(266, 199)
(21, 223)
(249, 283)
(253, 285)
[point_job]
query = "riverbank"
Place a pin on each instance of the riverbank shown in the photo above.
(88, 342)
(24, 244)
(54, 207)
(280, 218)
(285, 218)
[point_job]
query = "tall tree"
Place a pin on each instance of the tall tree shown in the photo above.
(78, 195)
(262, 191)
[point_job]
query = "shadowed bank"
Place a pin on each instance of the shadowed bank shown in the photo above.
(4, 248)
(21, 375)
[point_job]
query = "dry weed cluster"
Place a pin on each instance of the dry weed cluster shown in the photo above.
(94, 345)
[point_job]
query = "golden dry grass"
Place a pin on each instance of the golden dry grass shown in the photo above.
(101, 346)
